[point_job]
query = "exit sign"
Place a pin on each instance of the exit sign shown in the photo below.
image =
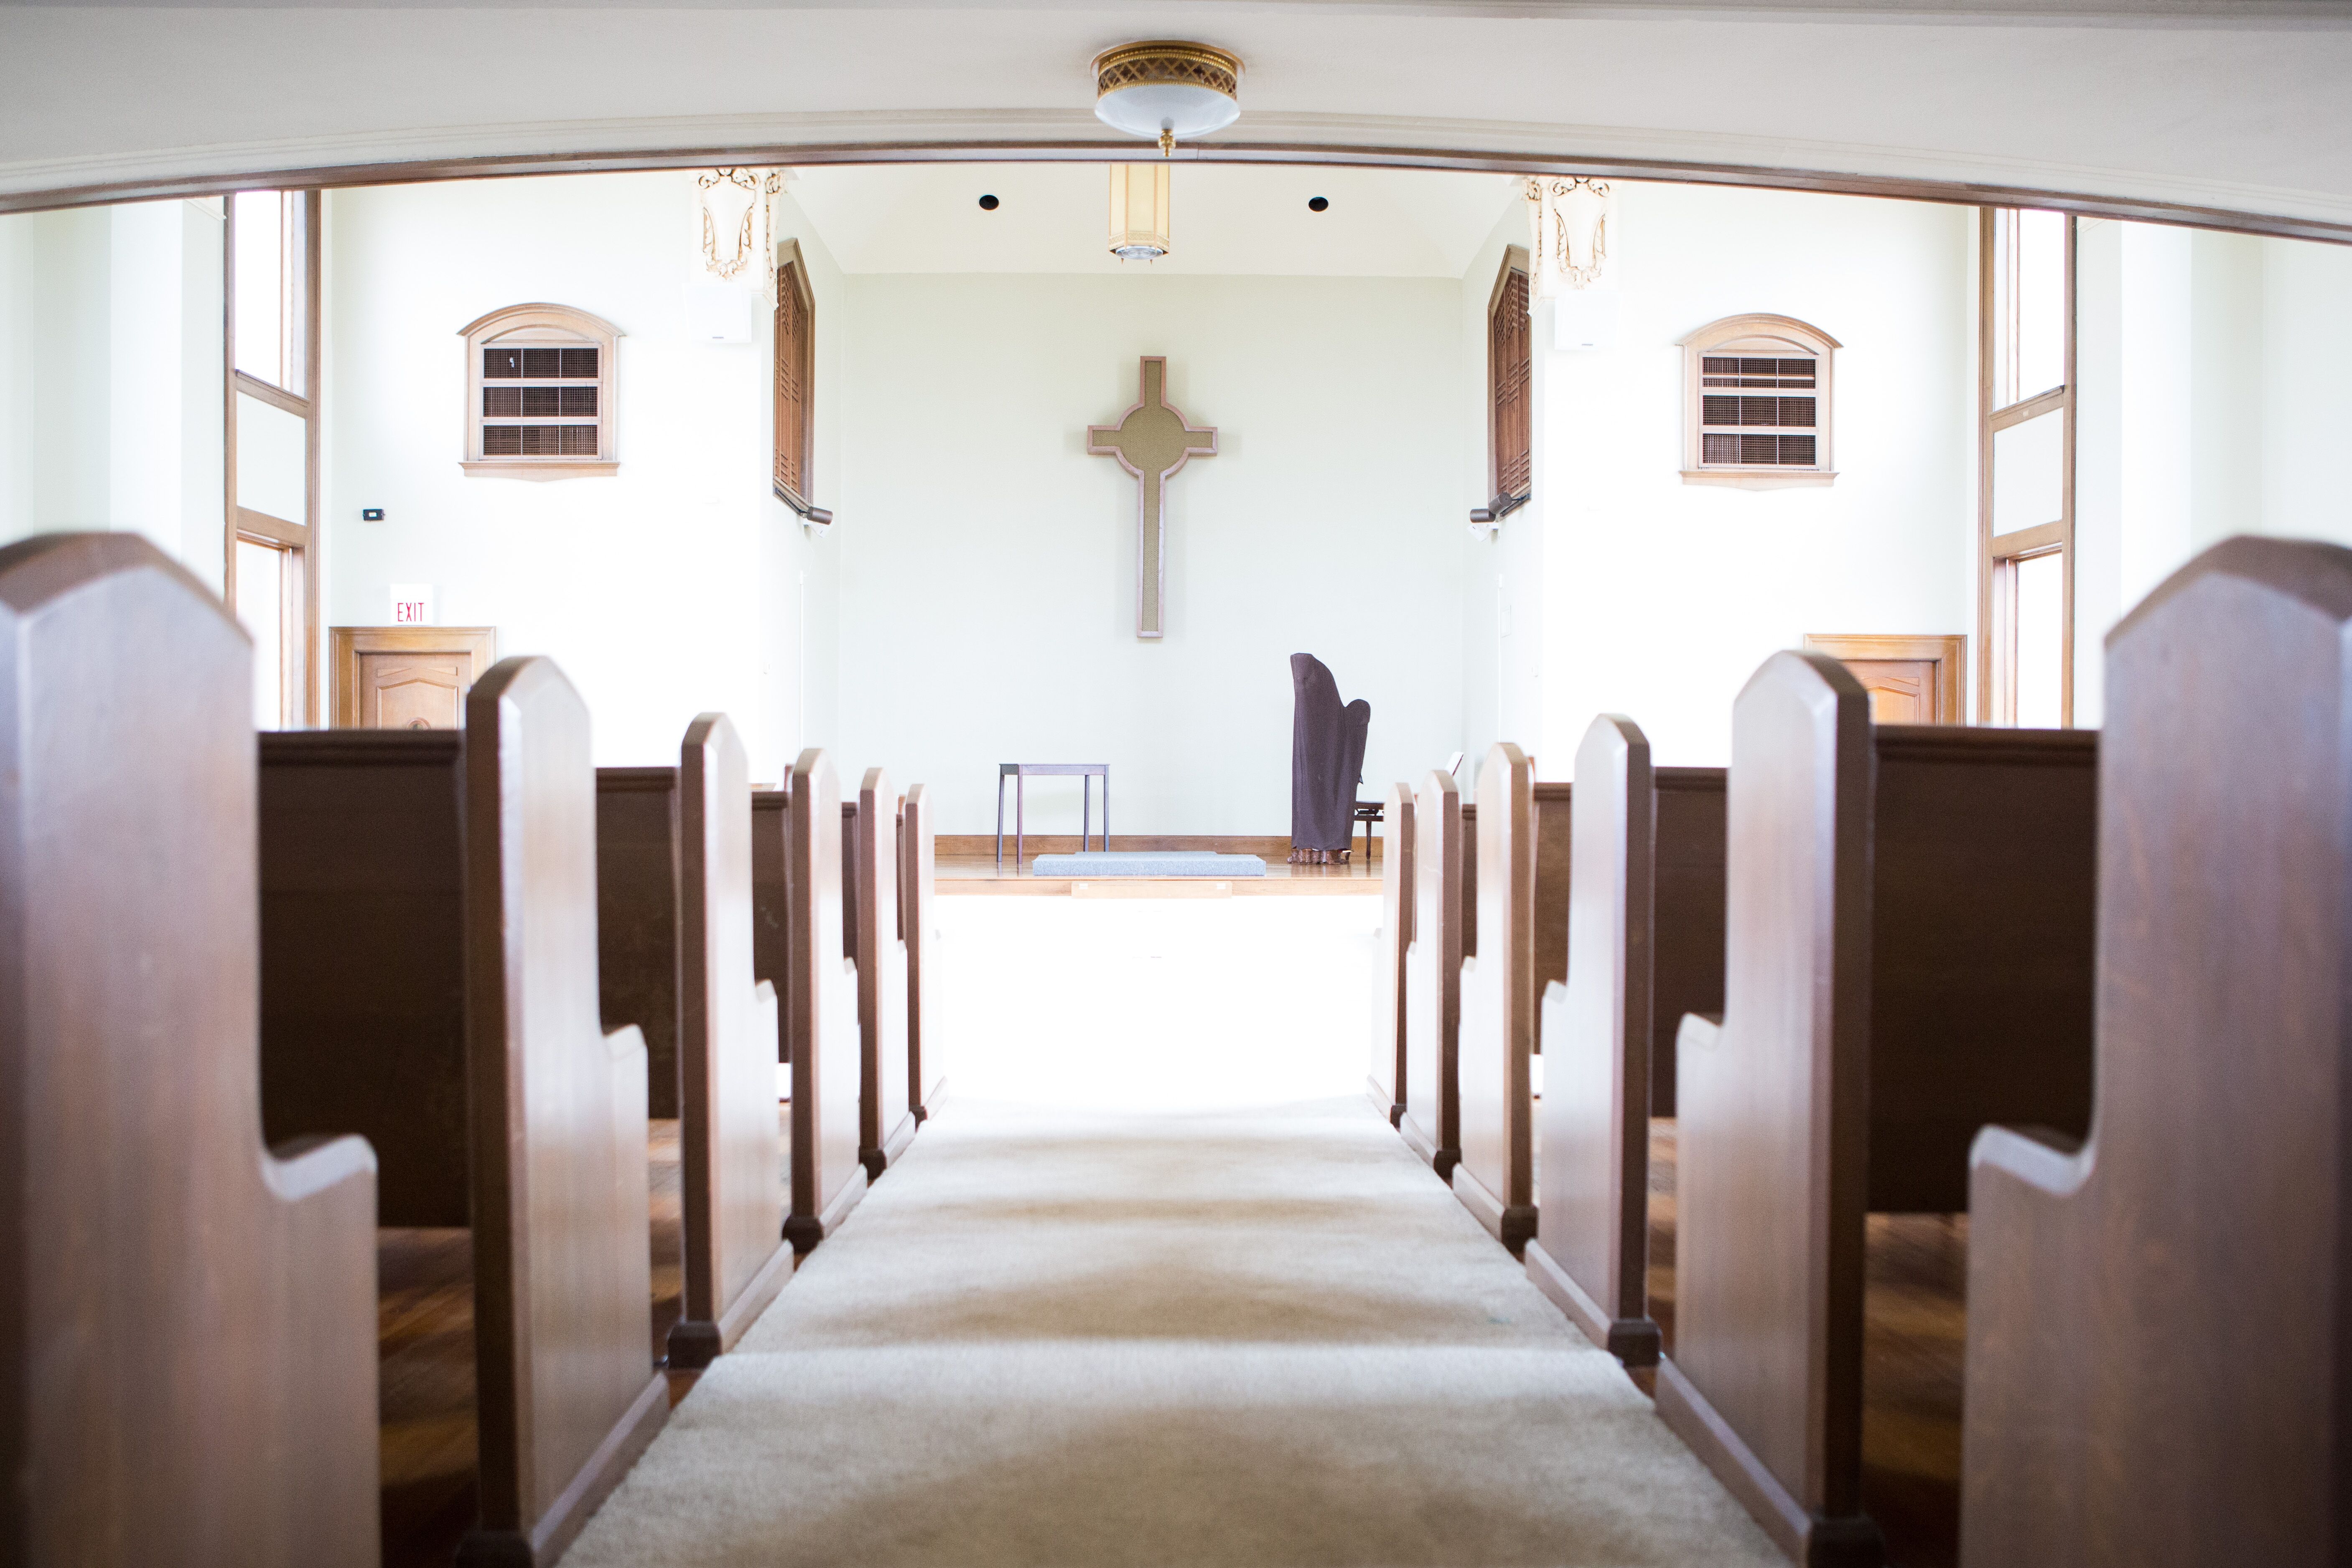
(412, 604)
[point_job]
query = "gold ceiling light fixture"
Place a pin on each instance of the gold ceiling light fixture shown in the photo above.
(1166, 90)
(1161, 90)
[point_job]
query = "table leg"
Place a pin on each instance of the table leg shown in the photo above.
(1000, 820)
(1020, 821)
(1086, 803)
(1106, 778)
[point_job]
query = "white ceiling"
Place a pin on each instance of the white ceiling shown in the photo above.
(2236, 106)
(1055, 217)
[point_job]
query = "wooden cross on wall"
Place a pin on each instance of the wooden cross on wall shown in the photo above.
(1152, 441)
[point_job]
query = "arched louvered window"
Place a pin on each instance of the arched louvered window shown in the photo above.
(1756, 403)
(539, 400)
(1508, 404)
(796, 383)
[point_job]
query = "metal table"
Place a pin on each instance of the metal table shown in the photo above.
(1020, 774)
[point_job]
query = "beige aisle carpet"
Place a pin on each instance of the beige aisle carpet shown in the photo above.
(1246, 1339)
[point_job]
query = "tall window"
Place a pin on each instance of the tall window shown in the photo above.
(272, 416)
(1756, 403)
(795, 384)
(1510, 412)
(538, 393)
(2025, 670)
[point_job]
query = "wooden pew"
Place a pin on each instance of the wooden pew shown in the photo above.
(1386, 1080)
(191, 1373)
(771, 961)
(638, 897)
(1909, 957)
(674, 854)
(1495, 1036)
(819, 996)
(1552, 805)
(2156, 1340)
(1431, 1121)
(1645, 943)
(429, 977)
(917, 873)
(877, 946)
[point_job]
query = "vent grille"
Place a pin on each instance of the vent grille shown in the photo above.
(1739, 430)
(548, 387)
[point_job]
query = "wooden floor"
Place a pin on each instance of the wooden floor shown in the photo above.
(425, 1347)
(1915, 1334)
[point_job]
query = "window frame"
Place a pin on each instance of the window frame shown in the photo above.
(1516, 261)
(1762, 334)
(793, 283)
(1998, 555)
(549, 326)
(298, 684)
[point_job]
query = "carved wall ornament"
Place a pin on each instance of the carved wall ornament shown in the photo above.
(1572, 216)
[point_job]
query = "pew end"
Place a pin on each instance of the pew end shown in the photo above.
(734, 1194)
(2117, 1410)
(1430, 1122)
(1494, 1177)
(190, 1358)
(1590, 1254)
(821, 1003)
(1386, 1080)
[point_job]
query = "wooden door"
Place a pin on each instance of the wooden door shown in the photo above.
(1910, 679)
(412, 691)
(407, 678)
(1902, 691)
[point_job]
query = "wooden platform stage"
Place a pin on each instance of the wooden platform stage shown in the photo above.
(967, 865)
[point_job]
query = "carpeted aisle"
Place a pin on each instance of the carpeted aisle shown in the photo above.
(1253, 1340)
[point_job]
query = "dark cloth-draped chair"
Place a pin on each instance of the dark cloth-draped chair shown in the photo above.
(1327, 761)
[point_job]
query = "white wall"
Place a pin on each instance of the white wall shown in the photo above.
(1660, 598)
(988, 599)
(111, 397)
(1500, 569)
(2213, 402)
(667, 590)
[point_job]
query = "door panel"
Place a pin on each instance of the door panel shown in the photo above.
(412, 691)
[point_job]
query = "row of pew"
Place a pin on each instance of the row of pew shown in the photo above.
(266, 994)
(2088, 989)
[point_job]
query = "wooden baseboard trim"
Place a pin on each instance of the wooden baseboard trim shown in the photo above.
(895, 1146)
(1438, 1157)
(804, 1231)
(1633, 1340)
(762, 1290)
(1383, 1099)
(544, 1543)
(1510, 1223)
(1809, 1539)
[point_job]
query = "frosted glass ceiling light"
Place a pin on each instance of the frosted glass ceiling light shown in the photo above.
(1138, 211)
(1167, 90)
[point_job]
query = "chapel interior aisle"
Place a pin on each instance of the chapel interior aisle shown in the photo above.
(1049, 1337)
